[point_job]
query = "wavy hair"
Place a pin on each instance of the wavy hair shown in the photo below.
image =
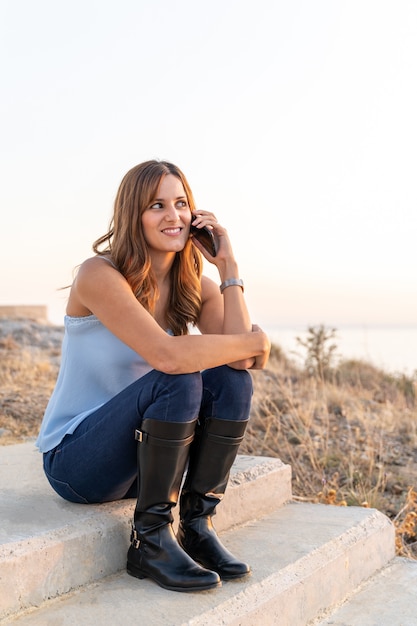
(125, 244)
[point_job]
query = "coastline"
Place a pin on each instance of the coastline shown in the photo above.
(391, 348)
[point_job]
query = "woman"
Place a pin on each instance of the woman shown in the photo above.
(137, 396)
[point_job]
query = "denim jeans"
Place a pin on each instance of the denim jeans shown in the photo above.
(98, 462)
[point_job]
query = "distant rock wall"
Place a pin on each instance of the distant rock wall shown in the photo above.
(35, 312)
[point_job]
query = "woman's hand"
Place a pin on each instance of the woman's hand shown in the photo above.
(257, 362)
(224, 247)
(261, 359)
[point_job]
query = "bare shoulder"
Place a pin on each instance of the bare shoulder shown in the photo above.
(96, 264)
(96, 274)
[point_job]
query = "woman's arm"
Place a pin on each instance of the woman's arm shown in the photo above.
(225, 313)
(103, 291)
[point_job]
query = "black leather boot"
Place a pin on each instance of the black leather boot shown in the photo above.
(212, 455)
(163, 449)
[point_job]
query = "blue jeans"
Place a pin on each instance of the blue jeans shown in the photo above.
(98, 462)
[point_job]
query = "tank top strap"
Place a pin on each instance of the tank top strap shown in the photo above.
(105, 258)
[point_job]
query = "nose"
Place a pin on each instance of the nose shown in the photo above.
(172, 213)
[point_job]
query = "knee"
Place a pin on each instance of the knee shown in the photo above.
(189, 385)
(233, 381)
(185, 392)
(227, 392)
(238, 380)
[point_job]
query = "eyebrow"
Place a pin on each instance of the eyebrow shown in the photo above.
(177, 198)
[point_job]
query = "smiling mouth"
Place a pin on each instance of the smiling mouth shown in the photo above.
(172, 231)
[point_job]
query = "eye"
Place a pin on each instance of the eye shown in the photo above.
(156, 205)
(181, 204)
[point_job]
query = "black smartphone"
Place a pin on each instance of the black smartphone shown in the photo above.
(206, 238)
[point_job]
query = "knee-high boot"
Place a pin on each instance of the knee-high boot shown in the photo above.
(212, 455)
(163, 449)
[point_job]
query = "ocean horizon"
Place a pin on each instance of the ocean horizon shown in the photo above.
(392, 348)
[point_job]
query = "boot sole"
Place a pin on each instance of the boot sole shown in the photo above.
(234, 576)
(137, 573)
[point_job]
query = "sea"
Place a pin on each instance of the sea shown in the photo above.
(392, 348)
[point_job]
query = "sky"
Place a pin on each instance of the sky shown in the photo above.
(294, 121)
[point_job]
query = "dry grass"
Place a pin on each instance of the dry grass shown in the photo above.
(350, 436)
(350, 439)
(28, 370)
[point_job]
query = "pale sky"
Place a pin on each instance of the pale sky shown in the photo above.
(294, 121)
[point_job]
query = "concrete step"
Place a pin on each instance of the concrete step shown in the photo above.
(389, 598)
(49, 546)
(306, 559)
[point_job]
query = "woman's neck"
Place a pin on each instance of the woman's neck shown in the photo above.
(161, 265)
(161, 269)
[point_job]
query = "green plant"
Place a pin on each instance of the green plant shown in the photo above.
(320, 354)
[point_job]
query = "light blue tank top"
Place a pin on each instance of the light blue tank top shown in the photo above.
(95, 366)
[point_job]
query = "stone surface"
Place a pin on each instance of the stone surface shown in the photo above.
(305, 559)
(389, 598)
(49, 546)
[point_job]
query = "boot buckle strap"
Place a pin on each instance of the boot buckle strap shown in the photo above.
(134, 538)
(140, 436)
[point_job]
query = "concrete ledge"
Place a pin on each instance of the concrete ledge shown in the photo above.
(305, 558)
(49, 546)
(387, 599)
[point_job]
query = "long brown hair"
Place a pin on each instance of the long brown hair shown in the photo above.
(126, 245)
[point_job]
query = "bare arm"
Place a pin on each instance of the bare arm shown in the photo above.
(225, 313)
(103, 291)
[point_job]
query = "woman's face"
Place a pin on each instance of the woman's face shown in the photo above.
(166, 222)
